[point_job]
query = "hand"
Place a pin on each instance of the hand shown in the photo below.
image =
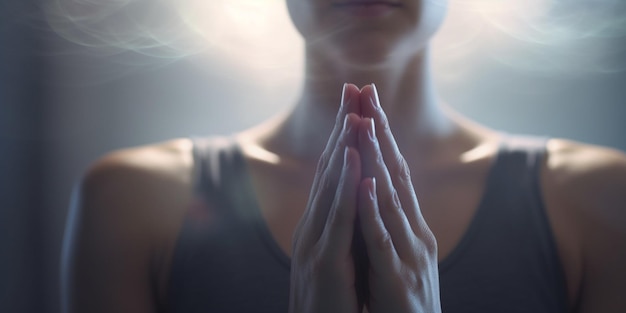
(402, 250)
(322, 268)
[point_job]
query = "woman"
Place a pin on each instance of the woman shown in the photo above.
(255, 222)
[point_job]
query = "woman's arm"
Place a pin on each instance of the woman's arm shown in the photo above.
(121, 217)
(589, 184)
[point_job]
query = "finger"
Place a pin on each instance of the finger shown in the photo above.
(390, 206)
(323, 195)
(349, 104)
(396, 164)
(380, 248)
(339, 229)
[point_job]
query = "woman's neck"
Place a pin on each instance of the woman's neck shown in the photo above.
(406, 91)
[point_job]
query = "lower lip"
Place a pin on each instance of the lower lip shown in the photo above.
(368, 10)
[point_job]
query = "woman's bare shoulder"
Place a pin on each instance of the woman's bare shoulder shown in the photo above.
(151, 184)
(587, 174)
(166, 160)
(588, 181)
(585, 193)
(124, 220)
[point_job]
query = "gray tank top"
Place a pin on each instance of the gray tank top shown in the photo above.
(226, 259)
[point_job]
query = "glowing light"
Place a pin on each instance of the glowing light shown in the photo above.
(263, 155)
(538, 35)
(255, 33)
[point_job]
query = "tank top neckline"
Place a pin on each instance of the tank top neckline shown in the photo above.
(250, 205)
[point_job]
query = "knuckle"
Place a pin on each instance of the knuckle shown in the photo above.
(400, 169)
(384, 242)
(395, 200)
(326, 182)
(393, 205)
(416, 282)
(429, 243)
(403, 171)
(384, 122)
(322, 163)
(379, 160)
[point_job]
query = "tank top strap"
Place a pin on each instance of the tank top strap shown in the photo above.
(212, 157)
(524, 154)
(513, 191)
(220, 176)
(517, 178)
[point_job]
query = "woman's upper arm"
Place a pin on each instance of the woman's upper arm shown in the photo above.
(114, 228)
(591, 185)
(604, 238)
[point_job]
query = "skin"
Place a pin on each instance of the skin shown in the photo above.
(128, 211)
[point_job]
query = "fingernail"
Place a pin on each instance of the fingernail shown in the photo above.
(372, 191)
(346, 158)
(346, 124)
(376, 100)
(371, 130)
(344, 97)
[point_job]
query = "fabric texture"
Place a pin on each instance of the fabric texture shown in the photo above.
(226, 259)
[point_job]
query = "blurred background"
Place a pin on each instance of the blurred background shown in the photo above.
(81, 78)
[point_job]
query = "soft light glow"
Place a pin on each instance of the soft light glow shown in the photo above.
(251, 33)
(550, 36)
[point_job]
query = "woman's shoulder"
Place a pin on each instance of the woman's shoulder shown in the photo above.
(124, 220)
(584, 188)
(146, 181)
(586, 173)
(164, 160)
(587, 181)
